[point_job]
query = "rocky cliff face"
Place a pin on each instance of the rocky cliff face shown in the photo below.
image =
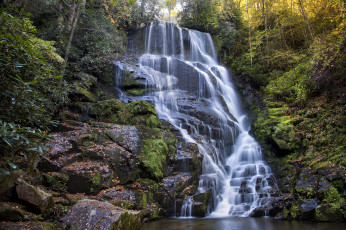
(303, 147)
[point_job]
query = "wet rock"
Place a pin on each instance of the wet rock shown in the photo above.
(258, 212)
(121, 197)
(93, 214)
(87, 176)
(307, 209)
(200, 204)
(125, 136)
(306, 184)
(273, 205)
(34, 197)
(336, 176)
(323, 187)
(88, 150)
(173, 190)
(187, 159)
(129, 76)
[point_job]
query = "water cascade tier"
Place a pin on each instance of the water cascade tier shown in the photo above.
(195, 94)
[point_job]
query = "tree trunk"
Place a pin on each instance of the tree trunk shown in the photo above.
(81, 5)
(143, 7)
(264, 8)
(305, 18)
(248, 18)
(72, 16)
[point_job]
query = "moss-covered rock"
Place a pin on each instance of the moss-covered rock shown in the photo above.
(39, 200)
(93, 214)
(136, 92)
(140, 108)
(108, 111)
(134, 113)
(9, 213)
(284, 137)
(201, 202)
(329, 212)
(83, 94)
(153, 157)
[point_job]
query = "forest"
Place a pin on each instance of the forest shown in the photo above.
(286, 57)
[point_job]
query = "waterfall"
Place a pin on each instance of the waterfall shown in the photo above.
(195, 94)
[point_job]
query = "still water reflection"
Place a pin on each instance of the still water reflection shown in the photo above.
(237, 223)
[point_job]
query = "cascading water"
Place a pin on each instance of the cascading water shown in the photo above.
(194, 93)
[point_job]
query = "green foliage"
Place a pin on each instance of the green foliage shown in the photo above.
(57, 180)
(200, 15)
(329, 212)
(332, 195)
(293, 85)
(30, 90)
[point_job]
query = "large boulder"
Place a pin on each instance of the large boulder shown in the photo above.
(36, 198)
(307, 209)
(201, 202)
(306, 184)
(93, 214)
(258, 212)
(336, 176)
(7, 184)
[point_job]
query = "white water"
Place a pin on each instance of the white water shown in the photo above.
(195, 94)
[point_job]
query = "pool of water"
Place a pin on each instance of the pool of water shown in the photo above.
(238, 223)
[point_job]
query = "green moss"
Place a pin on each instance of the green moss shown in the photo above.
(136, 92)
(86, 93)
(128, 221)
(294, 211)
(124, 204)
(96, 179)
(331, 195)
(144, 201)
(109, 111)
(155, 212)
(140, 108)
(285, 213)
(153, 155)
(153, 122)
(283, 136)
(329, 212)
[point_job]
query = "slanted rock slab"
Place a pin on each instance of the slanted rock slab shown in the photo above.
(93, 214)
(35, 197)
